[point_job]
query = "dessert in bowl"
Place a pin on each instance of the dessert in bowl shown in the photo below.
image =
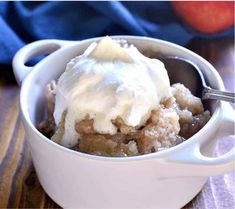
(114, 101)
(80, 180)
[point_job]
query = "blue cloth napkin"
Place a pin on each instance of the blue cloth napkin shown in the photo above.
(24, 22)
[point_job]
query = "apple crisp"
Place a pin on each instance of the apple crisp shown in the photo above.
(170, 123)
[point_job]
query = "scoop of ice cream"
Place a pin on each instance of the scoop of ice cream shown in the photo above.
(108, 81)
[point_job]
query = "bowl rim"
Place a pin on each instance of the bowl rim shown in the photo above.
(160, 154)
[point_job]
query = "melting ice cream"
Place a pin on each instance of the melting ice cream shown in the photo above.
(108, 81)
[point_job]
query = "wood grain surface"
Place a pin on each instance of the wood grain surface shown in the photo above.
(19, 186)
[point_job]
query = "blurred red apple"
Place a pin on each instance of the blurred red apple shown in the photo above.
(206, 16)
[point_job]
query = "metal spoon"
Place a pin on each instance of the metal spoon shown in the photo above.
(183, 71)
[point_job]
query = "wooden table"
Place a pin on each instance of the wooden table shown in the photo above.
(19, 186)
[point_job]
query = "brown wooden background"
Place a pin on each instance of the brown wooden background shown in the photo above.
(19, 186)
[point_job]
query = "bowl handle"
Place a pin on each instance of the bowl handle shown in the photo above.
(193, 163)
(32, 50)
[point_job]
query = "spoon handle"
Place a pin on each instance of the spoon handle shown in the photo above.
(209, 93)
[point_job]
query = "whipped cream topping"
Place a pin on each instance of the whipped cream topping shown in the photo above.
(109, 81)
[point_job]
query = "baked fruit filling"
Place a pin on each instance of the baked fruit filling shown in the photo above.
(170, 123)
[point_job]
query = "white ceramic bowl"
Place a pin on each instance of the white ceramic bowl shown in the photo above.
(167, 179)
